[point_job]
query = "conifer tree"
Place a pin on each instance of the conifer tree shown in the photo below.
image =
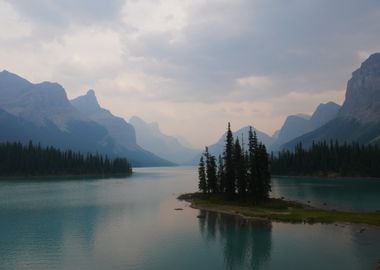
(244, 172)
(34, 160)
(206, 155)
(211, 179)
(202, 184)
(240, 172)
(211, 175)
(221, 176)
(251, 170)
(229, 163)
(264, 185)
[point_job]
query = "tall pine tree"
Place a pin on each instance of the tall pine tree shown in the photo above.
(211, 172)
(240, 174)
(221, 175)
(229, 163)
(202, 184)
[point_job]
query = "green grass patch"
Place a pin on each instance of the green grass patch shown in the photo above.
(278, 210)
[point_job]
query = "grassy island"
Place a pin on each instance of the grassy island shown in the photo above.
(277, 210)
(239, 182)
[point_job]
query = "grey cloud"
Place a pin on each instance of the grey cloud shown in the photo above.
(304, 45)
(60, 13)
(301, 45)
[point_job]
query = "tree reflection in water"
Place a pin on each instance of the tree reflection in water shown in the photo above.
(246, 244)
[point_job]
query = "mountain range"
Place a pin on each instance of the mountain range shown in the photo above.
(121, 132)
(359, 118)
(42, 113)
(298, 125)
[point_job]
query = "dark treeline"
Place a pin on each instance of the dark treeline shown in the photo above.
(329, 159)
(238, 173)
(17, 159)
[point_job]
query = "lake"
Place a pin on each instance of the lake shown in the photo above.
(131, 224)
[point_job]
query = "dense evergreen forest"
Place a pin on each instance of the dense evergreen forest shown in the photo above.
(17, 159)
(329, 159)
(238, 173)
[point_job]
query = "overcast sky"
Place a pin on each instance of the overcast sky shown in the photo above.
(193, 65)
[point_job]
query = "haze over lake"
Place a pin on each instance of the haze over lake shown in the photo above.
(131, 224)
(263, 117)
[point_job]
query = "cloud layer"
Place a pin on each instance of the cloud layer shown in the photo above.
(193, 65)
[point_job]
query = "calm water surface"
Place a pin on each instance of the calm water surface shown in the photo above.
(344, 194)
(131, 224)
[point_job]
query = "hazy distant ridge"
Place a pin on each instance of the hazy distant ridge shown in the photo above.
(151, 138)
(42, 113)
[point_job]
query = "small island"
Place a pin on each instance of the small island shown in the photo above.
(240, 184)
(277, 210)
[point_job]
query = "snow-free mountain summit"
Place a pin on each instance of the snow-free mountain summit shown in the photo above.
(43, 114)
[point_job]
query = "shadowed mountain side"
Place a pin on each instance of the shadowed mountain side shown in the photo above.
(342, 130)
(297, 125)
(37, 103)
(14, 129)
(363, 92)
(359, 118)
(122, 133)
(42, 113)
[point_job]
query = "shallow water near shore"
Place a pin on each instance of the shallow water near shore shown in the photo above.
(131, 224)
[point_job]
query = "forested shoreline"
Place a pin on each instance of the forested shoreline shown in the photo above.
(328, 159)
(18, 160)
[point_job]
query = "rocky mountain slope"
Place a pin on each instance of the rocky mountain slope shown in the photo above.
(298, 125)
(42, 113)
(359, 118)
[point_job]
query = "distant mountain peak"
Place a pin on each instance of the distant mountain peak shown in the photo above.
(325, 112)
(91, 93)
(150, 137)
(6, 72)
(12, 81)
(87, 102)
(298, 125)
(372, 59)
(139, 122)
(302, 115)
(135, 118)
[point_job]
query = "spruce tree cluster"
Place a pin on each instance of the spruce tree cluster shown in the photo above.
(238, 173)
(324, 159)
(17, 159)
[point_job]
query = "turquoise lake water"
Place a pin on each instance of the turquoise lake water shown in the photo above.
(131, 224)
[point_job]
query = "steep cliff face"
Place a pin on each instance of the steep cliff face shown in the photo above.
(359, 118)
(363, 92)
(120, 131)
(41, 103)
